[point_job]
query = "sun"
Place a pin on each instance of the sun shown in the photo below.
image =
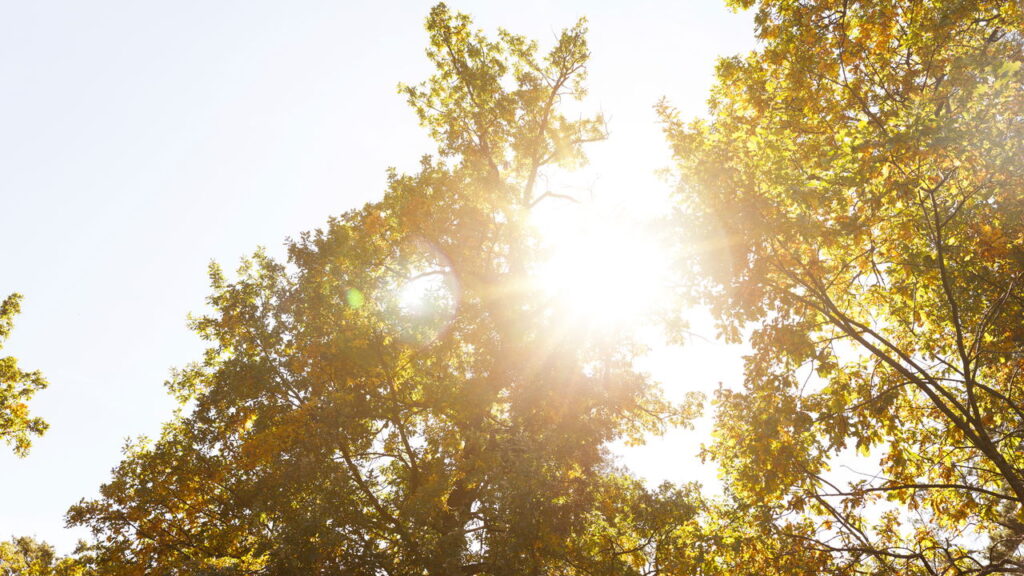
(606, 268)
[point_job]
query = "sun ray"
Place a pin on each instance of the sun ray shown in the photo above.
(605, 269)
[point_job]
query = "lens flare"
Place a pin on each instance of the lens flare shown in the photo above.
(424, 301)
(423, 292)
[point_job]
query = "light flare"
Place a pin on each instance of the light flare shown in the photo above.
(606, 268)
(423, 292)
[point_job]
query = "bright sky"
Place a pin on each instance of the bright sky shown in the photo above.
(140, 140)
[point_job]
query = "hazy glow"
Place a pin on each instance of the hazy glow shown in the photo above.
(605, 269)
(422, 292)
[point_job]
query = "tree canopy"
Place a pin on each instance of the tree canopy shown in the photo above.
(17, 425)
(856, 202)
(28, 557)
(399, 397)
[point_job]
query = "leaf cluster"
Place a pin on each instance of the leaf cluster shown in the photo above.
(856, 207)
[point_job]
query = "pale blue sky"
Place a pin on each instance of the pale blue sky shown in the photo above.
(141, 139)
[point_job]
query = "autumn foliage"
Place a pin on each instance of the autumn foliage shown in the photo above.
(856, 197)
(400, 396)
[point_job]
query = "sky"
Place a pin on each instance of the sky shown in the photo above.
(141, 140)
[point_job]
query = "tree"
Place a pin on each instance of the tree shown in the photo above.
(17, 387)
(399, 398)
(856, 207)
(27, 557)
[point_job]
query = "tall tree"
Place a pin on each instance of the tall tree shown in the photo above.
(400, 398)
(856, 204)
(17, 426)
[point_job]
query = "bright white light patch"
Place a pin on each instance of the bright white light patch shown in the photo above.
(422, 293)
(603, 269)
(424, 302)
